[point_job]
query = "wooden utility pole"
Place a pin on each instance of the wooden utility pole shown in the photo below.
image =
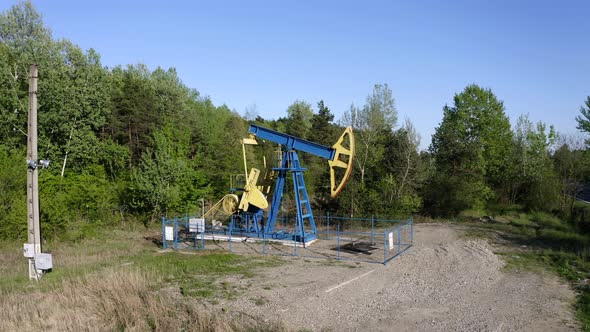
(34, 230)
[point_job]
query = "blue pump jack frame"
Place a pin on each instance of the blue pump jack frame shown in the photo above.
(290, 163)
(252, 224)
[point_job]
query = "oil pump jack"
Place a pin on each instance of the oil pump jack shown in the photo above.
(249, 217)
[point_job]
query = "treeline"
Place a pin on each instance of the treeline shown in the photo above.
(128, 143)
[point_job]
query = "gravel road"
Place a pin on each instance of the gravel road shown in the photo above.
(446, 283)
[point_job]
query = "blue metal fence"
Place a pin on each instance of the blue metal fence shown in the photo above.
(354, 239)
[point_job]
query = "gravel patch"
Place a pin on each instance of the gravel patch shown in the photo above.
(445, 283)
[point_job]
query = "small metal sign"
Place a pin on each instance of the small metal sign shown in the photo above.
(390, 240)
(196, 225)
(169, 233)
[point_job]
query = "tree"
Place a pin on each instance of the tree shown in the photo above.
(572, 165)
(533, 176)
(369, 123)
(470, 149)
(584, 119)
(73, 110)
(404, 175)
(134, 114)
(23, 40)
(317, 178)
(164, 181)
(322, 130)
(299, 119)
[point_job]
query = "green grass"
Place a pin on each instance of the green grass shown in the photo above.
(547, 221)
(473, 214)
(521, 220)
(195, 273)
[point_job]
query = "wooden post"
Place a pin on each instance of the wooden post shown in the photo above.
(34, 231)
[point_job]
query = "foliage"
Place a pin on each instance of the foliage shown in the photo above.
(13, 208)
(378, 116)
(580, 217)
(70, 203)
(584, 119)
(470, 149)
(164, 182)
(571, 164)
(299, 119)
(535, 183)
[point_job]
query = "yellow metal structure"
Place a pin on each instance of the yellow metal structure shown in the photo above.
(252, 195)
(342, 159)
(227, 205)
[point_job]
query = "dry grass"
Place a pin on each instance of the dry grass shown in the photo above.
(118, 283)
(117, 300)
(72, 259)
(114, 300)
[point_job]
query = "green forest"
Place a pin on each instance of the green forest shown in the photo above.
(129, 144)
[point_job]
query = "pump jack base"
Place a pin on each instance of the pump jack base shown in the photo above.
(279, 237)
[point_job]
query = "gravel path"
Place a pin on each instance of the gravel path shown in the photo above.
(446, 283)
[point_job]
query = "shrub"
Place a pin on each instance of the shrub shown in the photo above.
(71, 203)
(13, 194)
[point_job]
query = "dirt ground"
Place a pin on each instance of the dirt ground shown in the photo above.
(445, 283)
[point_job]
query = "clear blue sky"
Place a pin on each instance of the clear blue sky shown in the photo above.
(534, 55)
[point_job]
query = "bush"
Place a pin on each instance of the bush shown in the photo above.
(581, 217)
(74, 202)
(13, 194)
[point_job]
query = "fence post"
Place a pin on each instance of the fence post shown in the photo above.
(175, 233)
(338, 241)
(195, 239)
(328, 227)
(163, 232)
(203, 236)
(412, 231)
(399, 240)
(263, 242)
(230, 231)
(372, 228)
(385, 233)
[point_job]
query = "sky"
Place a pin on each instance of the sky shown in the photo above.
(534, 55)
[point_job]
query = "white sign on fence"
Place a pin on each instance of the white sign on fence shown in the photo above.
(169, 233)
(196, 225)
(390, 240)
